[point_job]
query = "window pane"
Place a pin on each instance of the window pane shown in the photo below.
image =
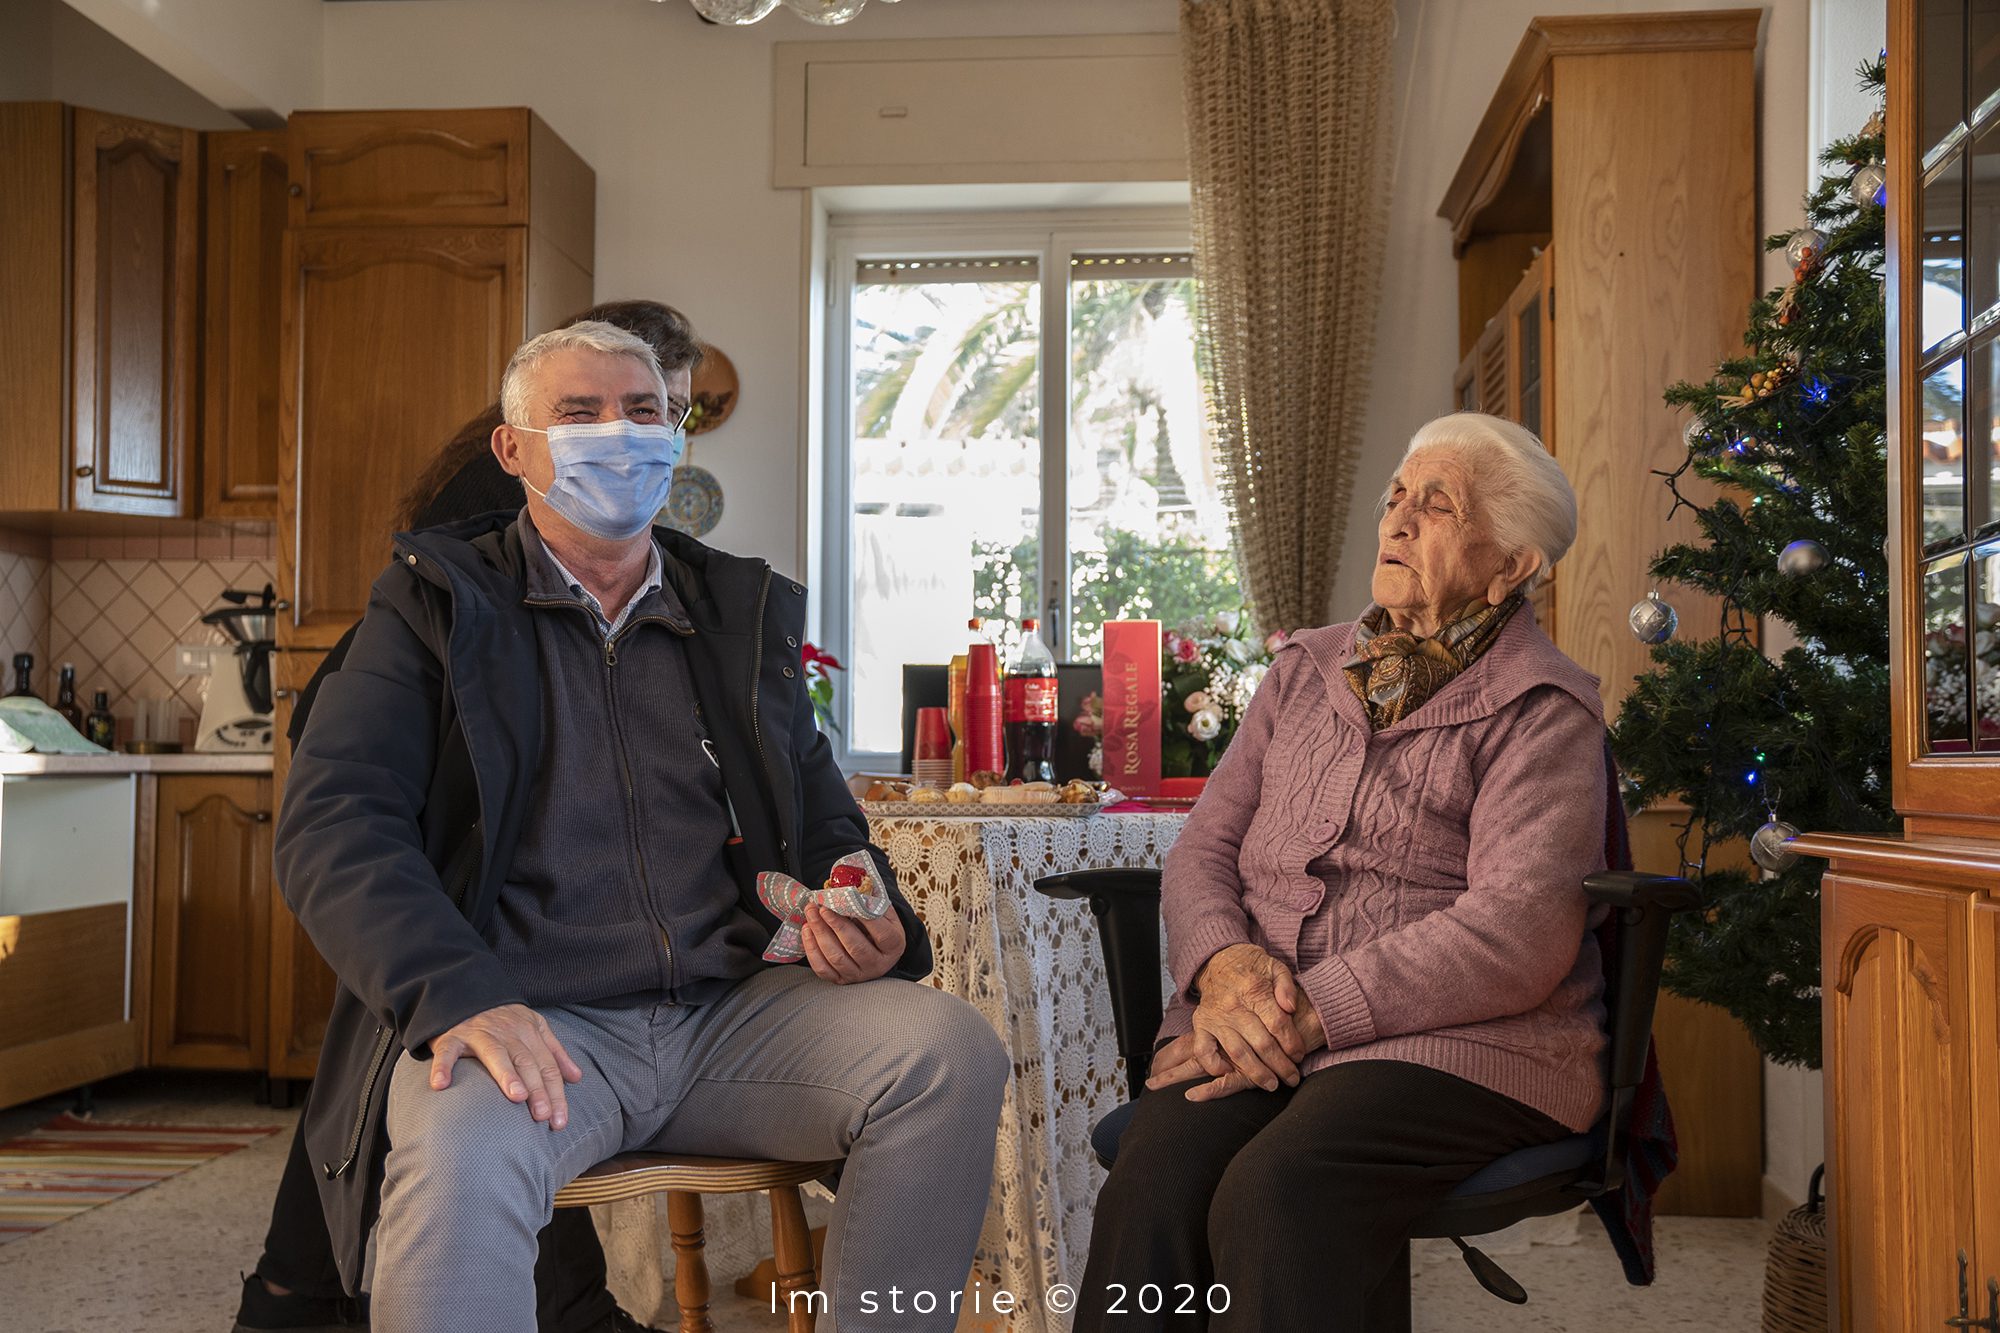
(946, 473)
(1944, 455)
(1941, 56)
(1986, 646)
(1530, 339)
(1148, 532)
(1945, 656)
(1943, 243)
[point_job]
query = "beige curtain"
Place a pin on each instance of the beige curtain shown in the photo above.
(1288, 162)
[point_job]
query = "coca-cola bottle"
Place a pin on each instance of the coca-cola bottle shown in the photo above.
(1031, 709)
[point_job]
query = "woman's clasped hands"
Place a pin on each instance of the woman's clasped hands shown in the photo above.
(1252, 1028)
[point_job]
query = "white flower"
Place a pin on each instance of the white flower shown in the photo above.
(1238, 650)
(1197, 701)
(1206, 726)
(1225, 622)
(1253, 675)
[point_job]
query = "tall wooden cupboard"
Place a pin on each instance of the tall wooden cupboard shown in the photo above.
(1910, 926)
(1603, 221)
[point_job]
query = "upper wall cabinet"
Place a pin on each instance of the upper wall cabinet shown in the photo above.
(921, 113)
(99, 234)
(244, 242)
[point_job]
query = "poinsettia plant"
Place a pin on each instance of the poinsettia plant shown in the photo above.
(1208, 672)
(819, 666)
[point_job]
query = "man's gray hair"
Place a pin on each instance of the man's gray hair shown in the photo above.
(1519, 490)
(589, 335)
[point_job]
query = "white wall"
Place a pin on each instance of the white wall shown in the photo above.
(258, 59)
(675, 116)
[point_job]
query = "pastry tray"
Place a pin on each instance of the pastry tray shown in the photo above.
(982, 809)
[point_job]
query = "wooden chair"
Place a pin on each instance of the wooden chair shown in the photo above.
(684, 1180)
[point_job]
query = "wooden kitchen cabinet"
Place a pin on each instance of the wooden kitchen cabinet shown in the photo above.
(99, 235)
(135, 275)
(244, 251)
(301, 984)
(211, 922)
(423, 248)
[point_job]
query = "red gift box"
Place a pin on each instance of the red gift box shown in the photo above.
(1132, 706)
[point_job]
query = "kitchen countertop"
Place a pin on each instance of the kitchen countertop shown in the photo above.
(88, 765)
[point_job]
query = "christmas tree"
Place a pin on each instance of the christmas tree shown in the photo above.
(1792, 434)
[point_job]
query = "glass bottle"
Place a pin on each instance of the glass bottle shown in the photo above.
(66, 696)
(24, 675)
(100, 728)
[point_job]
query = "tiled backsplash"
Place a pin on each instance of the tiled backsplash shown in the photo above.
(24, 603)
(118, 607)
(120, 621)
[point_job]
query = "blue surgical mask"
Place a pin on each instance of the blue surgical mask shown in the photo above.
(611, 477)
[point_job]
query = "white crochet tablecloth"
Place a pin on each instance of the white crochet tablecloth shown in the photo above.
(1032, 965)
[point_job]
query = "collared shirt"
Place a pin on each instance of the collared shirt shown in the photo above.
(654, 581)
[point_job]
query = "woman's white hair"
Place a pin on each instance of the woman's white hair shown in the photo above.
(591, 335)
(1519, 491)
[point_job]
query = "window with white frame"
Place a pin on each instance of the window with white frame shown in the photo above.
(1002, 445)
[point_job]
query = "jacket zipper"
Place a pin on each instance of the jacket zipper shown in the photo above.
(646, 902)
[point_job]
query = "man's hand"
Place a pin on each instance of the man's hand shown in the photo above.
(843, 950)
(517, 1048)
(1247, 1002)
(1199, 1053)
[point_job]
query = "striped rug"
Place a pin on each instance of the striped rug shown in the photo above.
(69, 1166)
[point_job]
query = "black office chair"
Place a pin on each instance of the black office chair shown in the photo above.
(1532, 1182)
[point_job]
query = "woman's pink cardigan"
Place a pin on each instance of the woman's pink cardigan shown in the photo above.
(1425, 881)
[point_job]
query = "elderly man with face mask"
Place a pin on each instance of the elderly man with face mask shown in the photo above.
(524, 826)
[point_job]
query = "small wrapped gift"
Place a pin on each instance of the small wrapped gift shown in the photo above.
(854, 889)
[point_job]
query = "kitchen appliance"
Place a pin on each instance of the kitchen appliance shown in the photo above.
(236, 710)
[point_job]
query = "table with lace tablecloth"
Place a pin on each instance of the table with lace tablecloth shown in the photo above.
(1033, 967)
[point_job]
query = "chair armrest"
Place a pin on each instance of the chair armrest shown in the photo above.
(1126, 902)
(1122, 881)
(1635, 889)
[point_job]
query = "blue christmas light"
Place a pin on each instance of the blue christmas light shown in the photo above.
(1817, 391)
(1751, 778)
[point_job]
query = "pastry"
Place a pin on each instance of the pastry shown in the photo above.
(962, 793)
(985, 778)
(883, 791)
(1077, 792)
(925, 795)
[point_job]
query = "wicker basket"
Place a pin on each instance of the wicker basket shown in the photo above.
(1795, 1273)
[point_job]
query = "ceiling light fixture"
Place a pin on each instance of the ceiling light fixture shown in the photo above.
(742, 13)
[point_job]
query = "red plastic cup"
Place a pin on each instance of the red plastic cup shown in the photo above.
(933, 740)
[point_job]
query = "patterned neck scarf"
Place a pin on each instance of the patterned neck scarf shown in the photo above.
(1394, 673)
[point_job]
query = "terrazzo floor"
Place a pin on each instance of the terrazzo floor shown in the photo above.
(166, 1260)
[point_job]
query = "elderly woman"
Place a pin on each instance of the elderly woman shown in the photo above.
(1376, 925)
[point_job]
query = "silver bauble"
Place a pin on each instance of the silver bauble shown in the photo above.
(1802, 557)
(1695, 435)
(1867, 186)
(1803, 240)
(1767, 846)
(1652, 620)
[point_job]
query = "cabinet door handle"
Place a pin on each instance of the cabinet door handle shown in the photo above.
(281, 605)
(282, 693)
(262, 816)
(296, 190)
(84, 469)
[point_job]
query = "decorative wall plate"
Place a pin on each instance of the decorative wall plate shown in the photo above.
(713, 390)
(694, 503)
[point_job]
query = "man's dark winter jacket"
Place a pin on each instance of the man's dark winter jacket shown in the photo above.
(413, 774)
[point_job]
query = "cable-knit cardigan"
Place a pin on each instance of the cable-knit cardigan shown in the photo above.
(1425, 881)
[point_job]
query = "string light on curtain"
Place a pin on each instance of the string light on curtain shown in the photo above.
(744, 12)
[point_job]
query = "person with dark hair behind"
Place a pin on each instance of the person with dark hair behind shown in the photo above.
(296, 1285)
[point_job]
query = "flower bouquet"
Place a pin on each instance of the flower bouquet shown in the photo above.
(819, 666)
(1208, 672)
